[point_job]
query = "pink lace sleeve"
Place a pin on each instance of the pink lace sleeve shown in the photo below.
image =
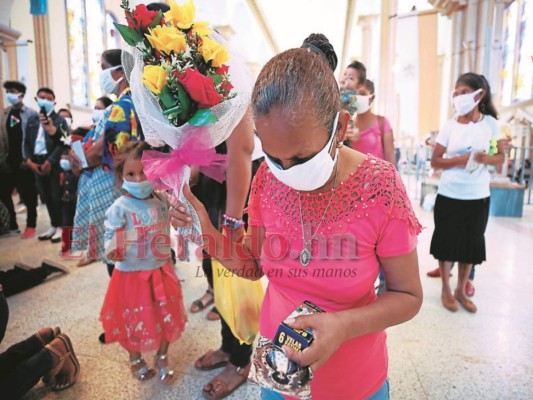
(399, 231)
(254, 209)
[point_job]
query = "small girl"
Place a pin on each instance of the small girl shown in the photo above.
(143, 308)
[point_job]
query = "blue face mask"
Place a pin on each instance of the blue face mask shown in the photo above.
(47, 104)
(13, 98)
(141, 190)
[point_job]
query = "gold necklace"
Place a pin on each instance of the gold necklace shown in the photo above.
(305, 255)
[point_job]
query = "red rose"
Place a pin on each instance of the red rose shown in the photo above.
(226, 86)
(141, 18)
(201, 88)
(222, 70)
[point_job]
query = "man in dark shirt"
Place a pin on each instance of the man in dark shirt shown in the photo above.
(43, 147)
(14, 173)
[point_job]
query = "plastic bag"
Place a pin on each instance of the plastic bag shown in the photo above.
(238, 301)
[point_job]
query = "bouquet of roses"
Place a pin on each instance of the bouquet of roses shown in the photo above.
(179, 74)
(183, 67)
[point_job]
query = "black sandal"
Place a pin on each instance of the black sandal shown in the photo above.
(198, 305)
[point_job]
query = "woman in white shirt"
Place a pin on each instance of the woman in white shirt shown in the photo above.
(463, 198)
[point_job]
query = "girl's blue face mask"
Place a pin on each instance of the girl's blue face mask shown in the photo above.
(140, 190)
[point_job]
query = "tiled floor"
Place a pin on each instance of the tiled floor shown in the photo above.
(438, 355)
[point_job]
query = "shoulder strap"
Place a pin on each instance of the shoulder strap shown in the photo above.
(381, 124)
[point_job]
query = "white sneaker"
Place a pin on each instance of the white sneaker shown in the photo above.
(48, 234)
(56, 237)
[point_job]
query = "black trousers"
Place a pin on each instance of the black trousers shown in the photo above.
(50, 191)
(23, 364)
(239, 353)
(17, 280)
(23, 180)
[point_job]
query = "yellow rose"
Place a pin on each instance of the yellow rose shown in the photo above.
(201, 28)
(154, 78)
(181, 16)
(213, 51)
(167, 39)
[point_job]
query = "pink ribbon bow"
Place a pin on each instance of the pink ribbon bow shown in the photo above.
(166, 169)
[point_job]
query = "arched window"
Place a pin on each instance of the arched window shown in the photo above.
(86, 21)
(517, 72)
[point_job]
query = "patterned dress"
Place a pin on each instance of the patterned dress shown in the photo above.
(96, 188)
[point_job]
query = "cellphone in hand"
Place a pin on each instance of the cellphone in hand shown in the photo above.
(44, 115)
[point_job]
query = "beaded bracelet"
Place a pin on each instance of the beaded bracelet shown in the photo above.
(232, 223)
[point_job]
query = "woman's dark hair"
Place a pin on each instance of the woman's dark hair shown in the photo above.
(360, 67)
(105, 100)
(297, 80)
(475, 82)
(370, 86)
(130, 149)
(113, 57)
(319, 43)
(65, 110)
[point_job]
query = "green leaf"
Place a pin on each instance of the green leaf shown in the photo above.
(217, 79)
(130, 36)
(156, 21)
(167, 99)
(202, 117)
(185, 102)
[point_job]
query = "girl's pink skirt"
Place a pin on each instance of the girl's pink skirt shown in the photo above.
(142, 308)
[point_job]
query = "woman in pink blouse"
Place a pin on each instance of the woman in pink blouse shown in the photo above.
(322, 219)
(373, 132)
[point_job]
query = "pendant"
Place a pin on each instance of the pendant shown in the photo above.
(305, 257)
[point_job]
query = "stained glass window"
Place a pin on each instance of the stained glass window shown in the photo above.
(517, 72)
(509, 41)
(524, 79)
(86, 21)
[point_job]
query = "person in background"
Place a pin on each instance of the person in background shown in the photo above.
(117, 126)
(353, 78)
(461, 209)
(43, 148)
(82, 215)
(374, 131)
(67, 116)
(47, 354)
(23, 277)
(69, 191)
(14, 172)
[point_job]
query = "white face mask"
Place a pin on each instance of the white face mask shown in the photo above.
(107, 83)
(311, 174)
(69, 121)
(97, 115)
(363, 103)
(465, 103)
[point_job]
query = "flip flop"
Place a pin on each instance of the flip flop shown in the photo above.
(199, 364)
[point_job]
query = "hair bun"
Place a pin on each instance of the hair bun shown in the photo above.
(318, 42)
